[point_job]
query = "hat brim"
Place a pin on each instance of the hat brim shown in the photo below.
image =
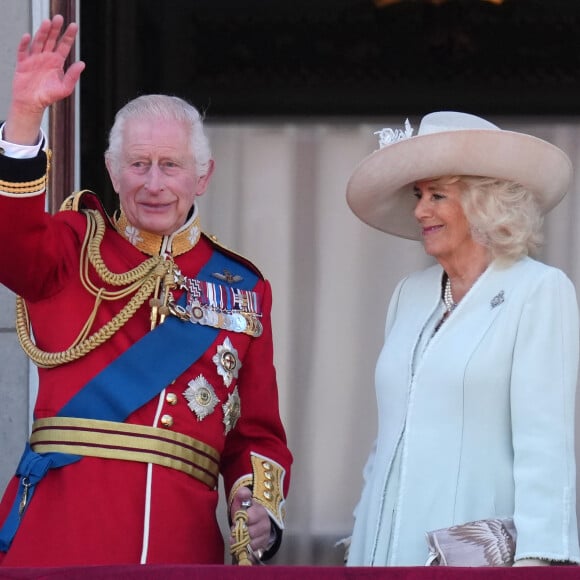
(380, 189)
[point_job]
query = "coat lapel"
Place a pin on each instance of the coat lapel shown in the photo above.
(468, 323)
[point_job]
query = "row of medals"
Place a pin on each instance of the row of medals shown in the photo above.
(245, 322)
(198, 313)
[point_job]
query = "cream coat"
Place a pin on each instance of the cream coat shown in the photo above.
(484, 419)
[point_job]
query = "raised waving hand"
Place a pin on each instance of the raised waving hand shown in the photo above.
(40, 79)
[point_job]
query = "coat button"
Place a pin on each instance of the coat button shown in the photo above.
(171, 399)
(167, 420)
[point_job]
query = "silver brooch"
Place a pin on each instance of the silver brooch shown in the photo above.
(387, 136)
(497, 299)
(201, 397)
(232, 410)
(227, 362)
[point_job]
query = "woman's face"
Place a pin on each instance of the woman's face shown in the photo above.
(445, 229)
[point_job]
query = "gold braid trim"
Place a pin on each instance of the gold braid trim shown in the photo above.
(268, 486)
(22, 187)
(240, 546)
(143, 281)
(28, 187)
(127, 442)
(266, 483)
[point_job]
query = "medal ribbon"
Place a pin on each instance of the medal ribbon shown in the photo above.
(223, 298)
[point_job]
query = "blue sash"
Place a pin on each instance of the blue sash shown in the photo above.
(145, 369)
(130, 381)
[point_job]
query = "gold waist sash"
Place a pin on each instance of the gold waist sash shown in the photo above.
(112, 440)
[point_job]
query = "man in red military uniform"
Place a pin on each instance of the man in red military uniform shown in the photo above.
(153, 343)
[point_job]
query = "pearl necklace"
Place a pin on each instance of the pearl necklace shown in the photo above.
(448, 297)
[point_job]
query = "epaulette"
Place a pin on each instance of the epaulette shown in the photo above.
(85, 199)
(77, 201)
(214, 241)
(72, 202)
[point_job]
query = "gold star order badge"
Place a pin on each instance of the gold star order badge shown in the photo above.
(227, 361)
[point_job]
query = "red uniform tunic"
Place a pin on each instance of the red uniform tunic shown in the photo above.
(111, 511)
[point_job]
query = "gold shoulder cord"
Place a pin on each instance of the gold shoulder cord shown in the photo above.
(143, 280)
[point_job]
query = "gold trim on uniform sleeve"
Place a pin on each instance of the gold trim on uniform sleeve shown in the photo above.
(27, 188)
(23, 188)
(268, 486)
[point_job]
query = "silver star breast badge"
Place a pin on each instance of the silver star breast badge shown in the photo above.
(201, 397)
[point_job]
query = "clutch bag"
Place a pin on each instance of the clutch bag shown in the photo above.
(489, 542)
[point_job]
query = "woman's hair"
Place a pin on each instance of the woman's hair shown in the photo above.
(160, 107)
(504, 216)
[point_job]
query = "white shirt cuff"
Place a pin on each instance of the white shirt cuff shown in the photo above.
(20, 151)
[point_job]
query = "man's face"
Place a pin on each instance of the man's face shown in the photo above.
(157, 180)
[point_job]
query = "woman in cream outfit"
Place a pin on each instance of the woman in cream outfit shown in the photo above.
(477, 376)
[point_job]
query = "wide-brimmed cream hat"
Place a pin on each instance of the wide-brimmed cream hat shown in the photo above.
(380, 190)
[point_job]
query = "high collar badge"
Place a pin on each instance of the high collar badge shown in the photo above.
(201, 397)
(227, 362)
(194, 234)
(232, 410)
(133, 235)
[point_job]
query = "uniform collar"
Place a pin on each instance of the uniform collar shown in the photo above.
(181, 241)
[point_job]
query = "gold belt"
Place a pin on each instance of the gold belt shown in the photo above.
(112, 440)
